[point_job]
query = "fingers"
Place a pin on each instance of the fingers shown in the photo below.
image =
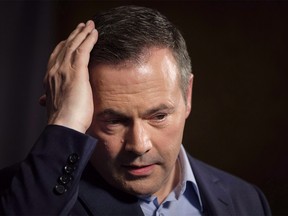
(55, 54)
(68, 97)
(79, 27)
(78, 49)
(85, 48)
(64, 51)
(69, 63)
(76, 39)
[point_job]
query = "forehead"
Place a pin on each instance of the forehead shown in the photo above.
(135, 88)
(156, 64)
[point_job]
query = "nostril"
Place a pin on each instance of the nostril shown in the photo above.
(137, 148)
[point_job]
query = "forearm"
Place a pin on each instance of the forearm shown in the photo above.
(33, 189)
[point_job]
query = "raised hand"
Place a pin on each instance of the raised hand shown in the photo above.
(68, 97)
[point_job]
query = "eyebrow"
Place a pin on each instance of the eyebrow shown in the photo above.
(112, 112)
(158, 108)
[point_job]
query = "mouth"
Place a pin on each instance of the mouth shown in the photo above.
(142, 170)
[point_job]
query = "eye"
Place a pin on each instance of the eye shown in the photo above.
(159, 116)
(116, 121)
(112, 121)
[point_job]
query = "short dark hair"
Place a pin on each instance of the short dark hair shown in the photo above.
(126, 32)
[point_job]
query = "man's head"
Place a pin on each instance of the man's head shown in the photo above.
(140, 107)
(127, 32)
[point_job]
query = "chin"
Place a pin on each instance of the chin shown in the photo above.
(139, 187)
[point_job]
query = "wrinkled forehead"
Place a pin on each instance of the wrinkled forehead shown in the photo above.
(153, 61)
(130, 86)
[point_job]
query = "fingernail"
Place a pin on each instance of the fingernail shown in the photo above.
(88, 22)
(81, 24)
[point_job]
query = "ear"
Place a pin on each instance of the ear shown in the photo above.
(189, 96)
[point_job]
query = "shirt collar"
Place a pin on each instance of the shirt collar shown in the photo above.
(186, 176)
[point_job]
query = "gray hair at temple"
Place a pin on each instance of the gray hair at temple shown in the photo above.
(126, 32)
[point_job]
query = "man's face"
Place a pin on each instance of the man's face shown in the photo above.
(139, 117)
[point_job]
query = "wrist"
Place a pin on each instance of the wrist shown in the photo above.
(69, 123)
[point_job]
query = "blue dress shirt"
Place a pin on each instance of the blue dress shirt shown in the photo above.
(183, 200)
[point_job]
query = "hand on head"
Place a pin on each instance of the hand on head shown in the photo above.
(68, 97)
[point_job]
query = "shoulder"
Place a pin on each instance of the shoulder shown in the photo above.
(203, 169)
(218, 184)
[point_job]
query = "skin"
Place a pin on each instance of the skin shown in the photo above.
(68, 96)
(139, 118)
(136, 111)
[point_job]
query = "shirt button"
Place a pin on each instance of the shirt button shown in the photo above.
(73, 158)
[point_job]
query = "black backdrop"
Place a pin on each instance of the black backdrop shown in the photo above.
(239, 119)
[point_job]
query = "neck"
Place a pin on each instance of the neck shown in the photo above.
(170, 184)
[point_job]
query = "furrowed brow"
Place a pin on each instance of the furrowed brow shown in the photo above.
(111, 112)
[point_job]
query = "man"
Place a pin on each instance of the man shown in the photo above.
(117, 99)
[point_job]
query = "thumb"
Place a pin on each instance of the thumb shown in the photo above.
(42, 100)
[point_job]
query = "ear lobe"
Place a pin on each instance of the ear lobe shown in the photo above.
(189, 96)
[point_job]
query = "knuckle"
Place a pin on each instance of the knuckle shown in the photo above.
(79, 51)
(62, 70)
(70, 46)
(59, 45)
(50, 64)
(51, 70)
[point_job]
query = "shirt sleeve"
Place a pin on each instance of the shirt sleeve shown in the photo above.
(48, 179)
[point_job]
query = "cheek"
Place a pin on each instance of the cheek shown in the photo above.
(176, 128)
(169, 139)
(108, 146)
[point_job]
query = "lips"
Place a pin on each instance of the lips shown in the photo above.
(139, 170)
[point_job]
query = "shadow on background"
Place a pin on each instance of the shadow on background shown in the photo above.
(239, 119)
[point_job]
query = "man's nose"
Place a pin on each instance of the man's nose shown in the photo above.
(138, 139)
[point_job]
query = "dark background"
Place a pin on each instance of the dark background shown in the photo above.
(239, 119)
